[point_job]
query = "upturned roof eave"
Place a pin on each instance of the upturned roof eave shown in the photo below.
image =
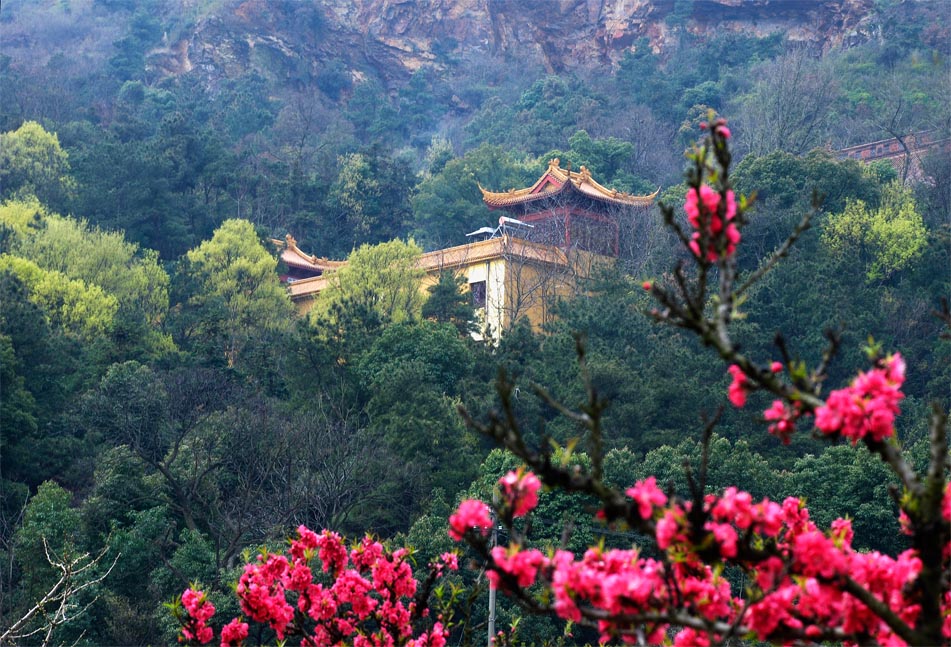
(568, 181)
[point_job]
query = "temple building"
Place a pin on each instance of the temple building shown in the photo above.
(301, 265)
(555, 232)
(569, 209)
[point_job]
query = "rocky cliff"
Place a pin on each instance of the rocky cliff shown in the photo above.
(390, 39)
(396, 37)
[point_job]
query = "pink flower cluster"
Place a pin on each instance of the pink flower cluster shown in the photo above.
(234, 633)
(782, 417)
(712, 221)
(470, 514)
(647, 495)
(738, 386)
(795, 573)
(519, 490)
(868, 406)
(368, 604)
(200, 610)
(718, 126)
(521, 564)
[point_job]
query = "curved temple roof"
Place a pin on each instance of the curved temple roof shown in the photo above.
(557, 180)
(294, 257)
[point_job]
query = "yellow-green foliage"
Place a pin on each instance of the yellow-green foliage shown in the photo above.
(888, 239)
(23, 216)
(382, 278)
(72, 305)
(74, 249)
(32, 162)
(236, 272)
(99, 257)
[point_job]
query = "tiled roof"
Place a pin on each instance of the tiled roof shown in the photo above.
(557, 180)
(294, 257)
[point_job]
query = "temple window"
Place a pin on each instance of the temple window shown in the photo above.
(478, 294)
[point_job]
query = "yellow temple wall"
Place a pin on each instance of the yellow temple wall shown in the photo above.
(522, 279)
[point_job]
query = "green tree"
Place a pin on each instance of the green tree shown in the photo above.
(105, 259)
(449, 303)
(842, 481)
(608, 159)
(71, 305)
(381, 280)
(42, 368)
(372, 114)
(537, 121)
(887, 239)
(444, 356)
(236, 292)
(129, 60)
(419, 424)
(784, 185)
(448, 204)
(32, 162)
(371, 197)
(48, 519)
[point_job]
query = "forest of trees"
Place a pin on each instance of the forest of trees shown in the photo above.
(164, 409)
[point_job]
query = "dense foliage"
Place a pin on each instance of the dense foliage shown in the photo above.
(161, 400)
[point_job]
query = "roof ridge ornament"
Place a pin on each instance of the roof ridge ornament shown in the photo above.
(558, 179)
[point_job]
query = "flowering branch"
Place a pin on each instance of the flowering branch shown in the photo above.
(806, 584)
(370, 600)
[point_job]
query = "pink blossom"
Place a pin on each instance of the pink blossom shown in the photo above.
(725, 536)
(332, 552)
(868, 406)
(471, 513)
(451, 560)
(688, 637)
(197, 605)
(815, 554)
(946, 503)
(369, 602)
(709, 198)
(366, 554)
(647, 495)
(668, 530)
(719, 126)
(841, 533)
(768, 518)
(738, 387)
(521, 564)
(783, 418)
(200, 610)
(306, 542)
(435, 638)
(946, 612)
(776, 367)
(519, 490)
(702, 207)
(233, 633)
(733, 505)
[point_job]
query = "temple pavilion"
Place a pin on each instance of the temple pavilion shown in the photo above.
(554, 232)
(569, 209)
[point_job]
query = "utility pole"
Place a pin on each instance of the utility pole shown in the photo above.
(495, 542)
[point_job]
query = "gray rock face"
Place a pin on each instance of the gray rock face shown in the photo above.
(396, 37)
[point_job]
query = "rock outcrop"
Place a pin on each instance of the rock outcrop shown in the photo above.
(297, 40)
(397, 37)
